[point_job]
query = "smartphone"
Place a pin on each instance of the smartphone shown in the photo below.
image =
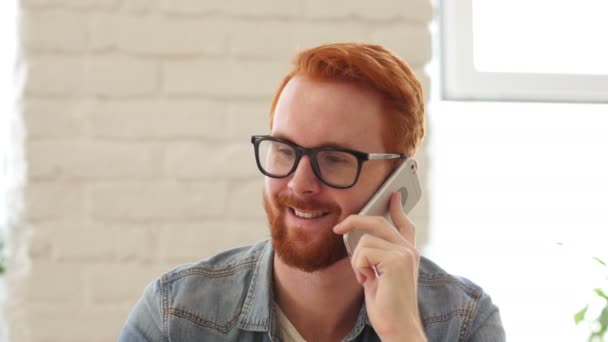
(404, 180)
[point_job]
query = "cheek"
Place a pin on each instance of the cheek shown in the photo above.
(355, 202)
(350, 201)
(273, 186)
(367, 185)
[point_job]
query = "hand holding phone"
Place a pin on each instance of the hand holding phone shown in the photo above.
(403, 179)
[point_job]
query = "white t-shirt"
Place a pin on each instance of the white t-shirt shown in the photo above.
(287, 331)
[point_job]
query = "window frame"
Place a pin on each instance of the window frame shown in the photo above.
(460, 80)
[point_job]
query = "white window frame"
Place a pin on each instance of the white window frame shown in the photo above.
(461, 81)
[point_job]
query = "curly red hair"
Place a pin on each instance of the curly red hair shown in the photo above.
(378, 68)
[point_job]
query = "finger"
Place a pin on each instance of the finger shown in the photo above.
(385, 261)
(363, 267)
(368, 258)
(400, 219)
(364, 274)
(374, 225)
(371, 241)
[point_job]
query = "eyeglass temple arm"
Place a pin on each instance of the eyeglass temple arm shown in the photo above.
(381, 156)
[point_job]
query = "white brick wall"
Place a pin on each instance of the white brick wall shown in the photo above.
(137, 116)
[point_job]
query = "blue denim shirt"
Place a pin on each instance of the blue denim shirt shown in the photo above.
(229, 298)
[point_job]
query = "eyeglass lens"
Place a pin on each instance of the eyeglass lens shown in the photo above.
(337, 168)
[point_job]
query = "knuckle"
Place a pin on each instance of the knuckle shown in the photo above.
(365, 240)
(379, 220)
(409, 254)
(413, 253)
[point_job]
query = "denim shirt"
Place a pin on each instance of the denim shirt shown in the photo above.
(229, 297)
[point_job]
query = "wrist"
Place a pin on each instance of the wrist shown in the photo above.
(408, 338)
(413, 334)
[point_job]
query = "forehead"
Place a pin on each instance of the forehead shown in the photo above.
(312, 112)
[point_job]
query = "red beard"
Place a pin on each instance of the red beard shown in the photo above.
(294, 245)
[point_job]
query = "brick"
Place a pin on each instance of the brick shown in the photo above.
(53, 118)
(54, 76)
(54, 30)
(98, 160)
(191, 242)
(425, 81)
(211, 161)
(411, 42)
(245, 199)
(158, 119)
(116, 283)
(153, 35)
(108, 76)
(53, 282)
(231, 7)
(417, 10)
(120, 77)
(104, 29)
(72, 4)
(53, 200)
(251, 38)
(139, 6)
(94, 243)
(247, 119)
(39, 246)
(70, 323)
(129, 201)
(223, 78)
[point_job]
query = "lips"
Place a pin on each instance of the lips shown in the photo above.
(308, 214)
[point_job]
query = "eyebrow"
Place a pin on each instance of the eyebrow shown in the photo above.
(325, 144)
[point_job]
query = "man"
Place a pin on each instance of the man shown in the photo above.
(340, 103)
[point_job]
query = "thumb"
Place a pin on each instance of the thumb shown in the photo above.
(400, 220)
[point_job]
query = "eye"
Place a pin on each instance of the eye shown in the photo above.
(336, 158)
(284, 150)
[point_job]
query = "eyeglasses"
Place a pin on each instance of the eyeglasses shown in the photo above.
(333, 166)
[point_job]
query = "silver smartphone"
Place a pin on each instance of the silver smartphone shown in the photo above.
(404, 180)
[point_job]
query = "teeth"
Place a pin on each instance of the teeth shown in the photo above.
(307, 215)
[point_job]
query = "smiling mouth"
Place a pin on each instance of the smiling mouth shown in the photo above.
(308, 214)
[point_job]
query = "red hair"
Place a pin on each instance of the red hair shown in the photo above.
(375, 67)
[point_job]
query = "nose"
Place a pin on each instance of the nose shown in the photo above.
(304, 181)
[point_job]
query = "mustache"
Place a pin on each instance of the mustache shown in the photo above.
(308, 204)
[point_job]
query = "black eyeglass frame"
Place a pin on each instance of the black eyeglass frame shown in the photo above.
(312, 155)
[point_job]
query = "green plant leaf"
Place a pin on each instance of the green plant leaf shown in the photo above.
(603, 321)
(600, 293)
(580, 316)
(599, 260)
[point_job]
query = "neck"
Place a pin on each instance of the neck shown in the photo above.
(322, 305)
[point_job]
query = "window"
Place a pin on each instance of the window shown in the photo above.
(538, 50)
(518, 188)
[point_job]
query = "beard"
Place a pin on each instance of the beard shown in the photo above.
(300, 248)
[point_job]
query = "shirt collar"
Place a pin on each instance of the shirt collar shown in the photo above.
(255, 315)
(258, 304)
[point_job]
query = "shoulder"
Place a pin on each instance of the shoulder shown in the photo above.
(203, 299)
(224, 264)
(433, 279)
(211, 293)
(452, 303)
